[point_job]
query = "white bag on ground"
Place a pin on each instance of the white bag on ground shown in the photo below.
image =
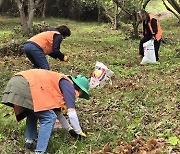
(100, 76)
(149, 52)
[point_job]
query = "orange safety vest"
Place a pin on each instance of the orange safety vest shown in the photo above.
(44, 40)
(158, 36)
(44, 87)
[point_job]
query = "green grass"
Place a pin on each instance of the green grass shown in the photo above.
(143, 100)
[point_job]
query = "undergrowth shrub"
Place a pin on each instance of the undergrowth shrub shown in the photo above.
(16, 39)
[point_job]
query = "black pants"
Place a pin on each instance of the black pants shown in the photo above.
(156, 46)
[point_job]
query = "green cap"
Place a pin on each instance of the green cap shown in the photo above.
(83, 83)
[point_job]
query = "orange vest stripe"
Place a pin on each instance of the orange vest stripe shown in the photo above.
(158, 36)
(44, 40)
(44, 87)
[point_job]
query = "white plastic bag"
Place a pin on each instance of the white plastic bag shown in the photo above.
(100, 76)
(149, 52)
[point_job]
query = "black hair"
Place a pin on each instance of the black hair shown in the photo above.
(143, 12)
(64, 30)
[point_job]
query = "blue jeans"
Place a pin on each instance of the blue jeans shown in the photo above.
(47, 120)
(36, 55)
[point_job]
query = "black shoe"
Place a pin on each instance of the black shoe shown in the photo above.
(30, 146)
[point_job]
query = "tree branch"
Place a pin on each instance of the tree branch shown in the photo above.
(175, 5)
(145, 3)
(168, 8)
(118, 3)
(38, 4)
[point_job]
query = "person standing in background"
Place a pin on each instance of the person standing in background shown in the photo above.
(151, 29)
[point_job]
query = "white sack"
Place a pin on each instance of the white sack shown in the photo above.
(149, 52)
(100, 76)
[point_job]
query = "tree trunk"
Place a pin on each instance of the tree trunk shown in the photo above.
(112, 16)
(44, 11)
(115, 18)
(99, 16)
(115, 22)
(41, 8)
(99, 11)
(1, 2)
(31, 10)
(24, 25)
(27, 23)
(135, 26)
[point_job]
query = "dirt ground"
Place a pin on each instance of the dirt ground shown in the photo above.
(163, 15)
